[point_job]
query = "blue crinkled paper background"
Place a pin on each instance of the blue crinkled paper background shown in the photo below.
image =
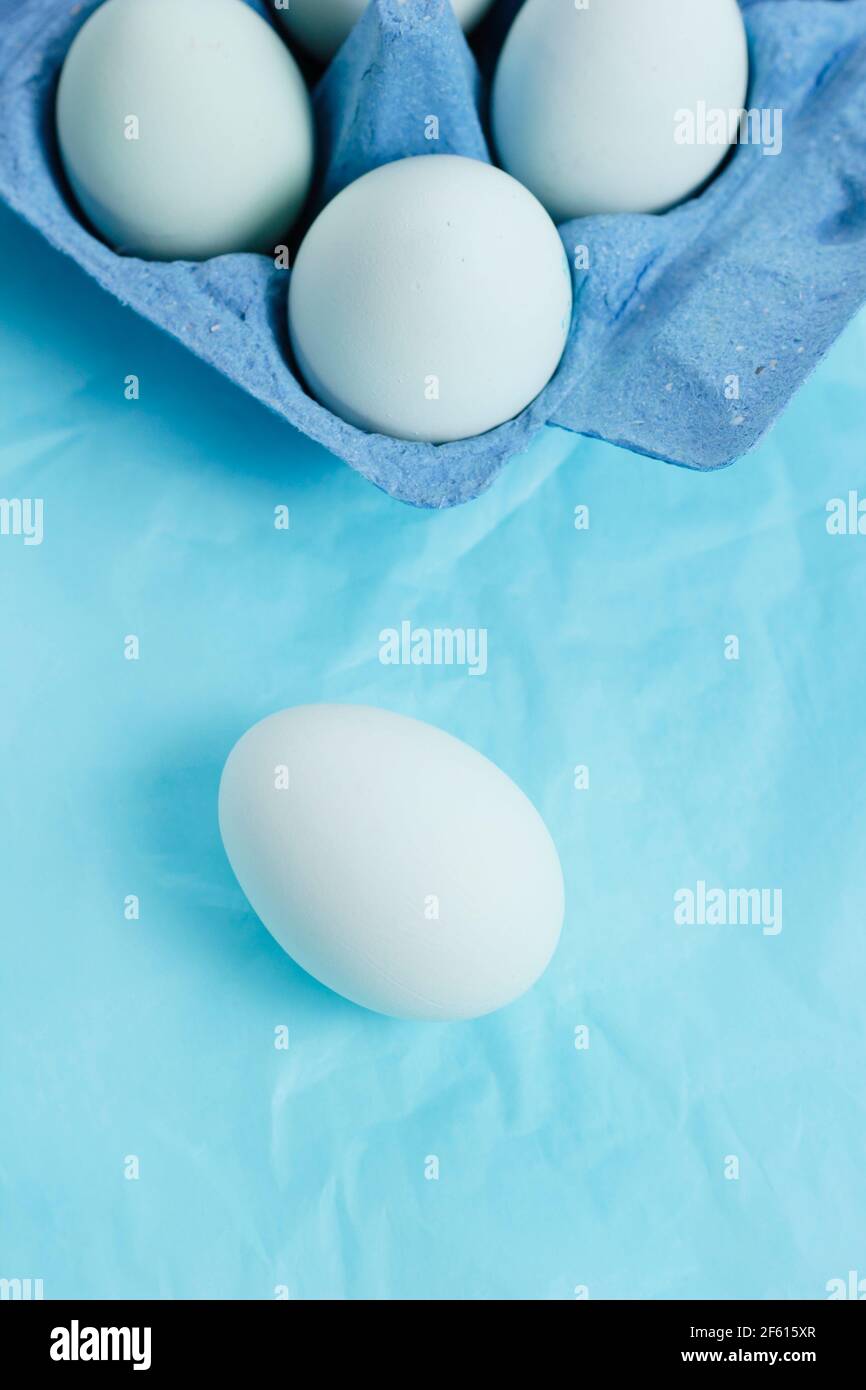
(304, 1170)
(755, 278)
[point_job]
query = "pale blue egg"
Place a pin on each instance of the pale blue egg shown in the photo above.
(185, 128)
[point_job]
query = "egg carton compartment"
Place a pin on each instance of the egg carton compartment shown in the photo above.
(751, 280)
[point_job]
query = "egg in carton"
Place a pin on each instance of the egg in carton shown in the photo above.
(692, 328)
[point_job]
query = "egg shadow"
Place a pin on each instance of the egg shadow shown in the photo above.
(168, 806)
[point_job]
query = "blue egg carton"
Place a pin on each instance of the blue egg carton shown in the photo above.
(691, 330)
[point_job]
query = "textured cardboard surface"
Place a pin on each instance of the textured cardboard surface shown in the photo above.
(755, 277)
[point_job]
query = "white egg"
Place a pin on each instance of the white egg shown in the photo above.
(430, 300)
(587, 102)
(392, 861)
(185, 128)
(322, 25)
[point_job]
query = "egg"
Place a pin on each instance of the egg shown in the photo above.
(185, 128)
(322, 25)
(392, 861)
(430, 300)
(588, 101)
